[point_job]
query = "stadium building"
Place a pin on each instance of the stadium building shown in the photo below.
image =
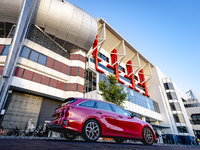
(51, 50)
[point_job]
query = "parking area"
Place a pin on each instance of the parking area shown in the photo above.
(32, 143)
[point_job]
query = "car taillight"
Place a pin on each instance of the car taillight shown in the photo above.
(62, 115)
(69, 107)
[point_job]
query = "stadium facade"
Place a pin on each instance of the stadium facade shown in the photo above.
(51, 50)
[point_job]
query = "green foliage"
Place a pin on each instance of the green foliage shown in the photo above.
(112, 92)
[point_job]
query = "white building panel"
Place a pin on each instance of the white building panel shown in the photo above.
(65, 61)
(2, 59)
(48, 71)
(34, 86)
(5, 41)
(37, 47)
(40, 68)
(78, 63)
(15, 81)
(31, 64)
(24, 84)
(51, 90)
(55, 73)
(59, 93)
(44, 51)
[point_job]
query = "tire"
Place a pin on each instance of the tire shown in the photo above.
(148, 136)
(69, 136)
(119, 140)
(91, 131)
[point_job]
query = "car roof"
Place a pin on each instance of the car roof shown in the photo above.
(88, 99)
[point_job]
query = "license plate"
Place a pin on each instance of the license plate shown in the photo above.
(55, 116)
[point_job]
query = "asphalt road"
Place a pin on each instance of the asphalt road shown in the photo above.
(60, 144)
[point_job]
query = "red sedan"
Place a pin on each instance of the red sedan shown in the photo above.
(94, 118)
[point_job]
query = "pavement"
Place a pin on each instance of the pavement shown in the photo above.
(32, 143)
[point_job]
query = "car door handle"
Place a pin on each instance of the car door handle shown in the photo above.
(120, 116)
(98, 112)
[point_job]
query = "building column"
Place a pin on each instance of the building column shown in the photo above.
(22, 24)
(143, 119)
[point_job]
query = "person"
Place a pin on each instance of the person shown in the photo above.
(163, 137)
(46, 130)
(158, 136)
(168, 139)
(40, 131)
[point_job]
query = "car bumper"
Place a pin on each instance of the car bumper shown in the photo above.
(57, 128)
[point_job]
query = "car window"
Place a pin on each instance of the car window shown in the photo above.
(87, 104)
(121, 111)
(68, 101)
(103, 106)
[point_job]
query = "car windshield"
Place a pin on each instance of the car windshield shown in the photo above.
(121, 111)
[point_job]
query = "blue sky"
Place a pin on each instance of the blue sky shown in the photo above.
(166, 32)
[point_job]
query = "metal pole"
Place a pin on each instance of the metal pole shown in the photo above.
(22, 24)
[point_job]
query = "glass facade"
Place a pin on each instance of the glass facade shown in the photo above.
(171, 95)
(137, 98)
(33, 55)
(196, 119)
(182, 129)
(175, 106)
(90, 81)
(5, 50)
(179, 118)
(103, 57)
(5, 29)
(168, 86)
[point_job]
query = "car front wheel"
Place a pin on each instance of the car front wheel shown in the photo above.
(148, 136)
(91, 131)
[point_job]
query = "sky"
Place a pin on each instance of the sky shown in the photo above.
(166, 32)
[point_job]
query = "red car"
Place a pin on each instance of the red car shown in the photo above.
(94, 118)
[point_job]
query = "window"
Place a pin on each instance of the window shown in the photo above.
(1, 29)
(196, 118)
(94, 81)
(168, 86)
(5, 50)
(87, 104)
(121, 111)
(25, 52)
(103, 57)
(183, 100)
(179, 118)
(121, 68)
(182, 129)
(175, 106)
(90, 81)
(103, 106)
(171, 95)
(68, 101)
(135, 77)
(42, 59)
(34, 56)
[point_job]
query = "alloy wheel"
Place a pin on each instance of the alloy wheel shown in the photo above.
(91, 131)
(148, 136)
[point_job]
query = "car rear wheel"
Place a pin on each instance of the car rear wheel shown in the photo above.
(148, 136)
(119, 140)
(91, 131)
(69, 136)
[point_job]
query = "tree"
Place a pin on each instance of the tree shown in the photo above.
(112, 92)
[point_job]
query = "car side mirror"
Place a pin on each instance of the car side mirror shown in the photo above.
(132, 115)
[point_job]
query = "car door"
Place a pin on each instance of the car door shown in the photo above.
(108, 118)
(130, 127)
